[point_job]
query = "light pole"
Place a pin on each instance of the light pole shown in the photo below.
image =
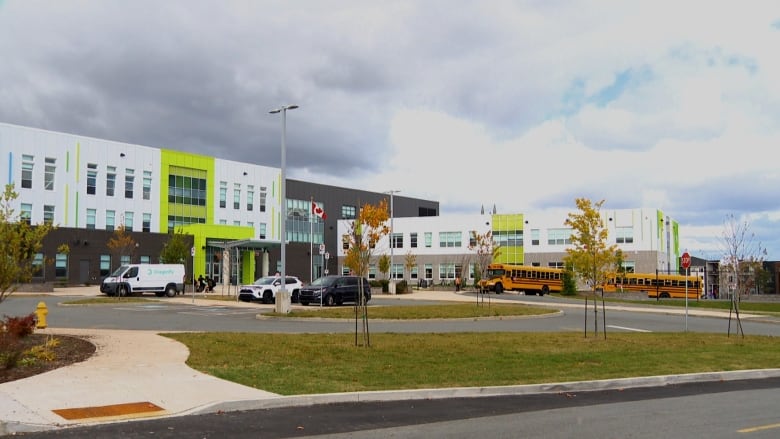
(282, 296)
(392, 241)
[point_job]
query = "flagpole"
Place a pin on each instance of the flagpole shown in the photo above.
(311, 242)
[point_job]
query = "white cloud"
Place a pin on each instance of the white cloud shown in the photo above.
(670, 105)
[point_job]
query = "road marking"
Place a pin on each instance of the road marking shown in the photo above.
(759, 428)
(628, 329)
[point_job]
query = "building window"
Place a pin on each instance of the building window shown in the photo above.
(26, 214)
(534, 236)
(236, 196)
(110, 220)
(129, 181)
(91, 213)
(397, 271)
(508, 238)
(372, 271)
(450, 239)
(559, 236)
(27, 170)
(236, 223)
(262, 230)
(250, 198)
(37, 265)
(428, 241)
(446, 271)
(50, 168)
(624, 235)
(145, 260)
(348, 212)
(555, 264)
(110, 180)
(129, 221)
(61, 265)
(124, 260)
(345, 242)
(187, 186)
(223, 221)
(105, 265)
(397, 240)
(413, 272)
(147, 222)
(147, 194)
(222, 194)
(428, 271)
(263, 191)
(91, 178)
(472, 267)
(48, 214)
(413, 239)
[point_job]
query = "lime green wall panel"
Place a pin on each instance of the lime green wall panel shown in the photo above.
(170, 158)
(201, 232)
(504, 222)
(509, 223)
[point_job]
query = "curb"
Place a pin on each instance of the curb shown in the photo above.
(478, 392)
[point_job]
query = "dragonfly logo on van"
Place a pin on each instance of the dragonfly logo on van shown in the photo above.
(151, 272)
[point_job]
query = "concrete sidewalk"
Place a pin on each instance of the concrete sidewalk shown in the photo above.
(140, 374)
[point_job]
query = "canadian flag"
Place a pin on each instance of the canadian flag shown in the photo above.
(318, 211)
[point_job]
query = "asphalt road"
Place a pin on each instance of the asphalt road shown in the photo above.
(713, 410)
(171, 316)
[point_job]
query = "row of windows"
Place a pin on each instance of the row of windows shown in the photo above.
(501, 238)
(187, 190)
(111, 179)
(49, 171)
(61, 264)
(445, 270)
(250, 196)
(128, 217)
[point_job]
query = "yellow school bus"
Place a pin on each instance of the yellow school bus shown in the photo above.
(664, 286)
(530, 279)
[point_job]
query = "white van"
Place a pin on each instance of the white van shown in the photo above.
(136, 279)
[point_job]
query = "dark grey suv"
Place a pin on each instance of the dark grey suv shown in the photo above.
(334, 290)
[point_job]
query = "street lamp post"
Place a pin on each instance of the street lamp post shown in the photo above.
(282, 296)
(392, 241)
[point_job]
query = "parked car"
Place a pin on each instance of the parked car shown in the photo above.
(264, 289)
(334, 290)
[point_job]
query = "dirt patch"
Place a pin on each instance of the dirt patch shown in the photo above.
(67, 350)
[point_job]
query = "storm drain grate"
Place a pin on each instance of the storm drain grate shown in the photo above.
(128, 409)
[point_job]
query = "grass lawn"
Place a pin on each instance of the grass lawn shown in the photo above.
(293, 364)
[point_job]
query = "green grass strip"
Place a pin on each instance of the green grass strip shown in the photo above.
(294, 364)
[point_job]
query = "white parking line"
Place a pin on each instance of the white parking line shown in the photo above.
(628, 329)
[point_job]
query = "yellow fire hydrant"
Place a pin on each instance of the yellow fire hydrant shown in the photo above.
(40, 312)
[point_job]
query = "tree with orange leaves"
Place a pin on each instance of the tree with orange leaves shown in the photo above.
(365, 231)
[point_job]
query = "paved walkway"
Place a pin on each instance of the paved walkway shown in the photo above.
(137, 374)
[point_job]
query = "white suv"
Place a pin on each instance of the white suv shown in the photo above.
(265, 288)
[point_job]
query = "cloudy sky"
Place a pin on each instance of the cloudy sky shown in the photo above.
(524, 105)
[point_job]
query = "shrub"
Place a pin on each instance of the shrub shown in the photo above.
(569, 284)
(385, 285)
(20, 326)
(11, 331)
(402, 287)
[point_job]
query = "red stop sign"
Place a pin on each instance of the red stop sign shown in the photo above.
(685, 259)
